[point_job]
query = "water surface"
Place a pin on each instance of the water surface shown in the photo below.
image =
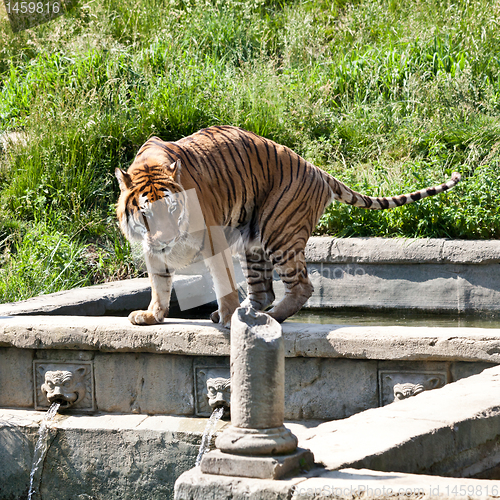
(398, 318)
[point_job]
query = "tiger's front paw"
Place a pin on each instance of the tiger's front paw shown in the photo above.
(144, 318)
(225, 321)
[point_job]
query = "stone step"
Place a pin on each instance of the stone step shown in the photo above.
(452, 431)
(200, 337)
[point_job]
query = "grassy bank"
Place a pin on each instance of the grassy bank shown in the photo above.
(388, 97)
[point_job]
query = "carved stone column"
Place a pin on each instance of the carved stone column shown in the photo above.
(257, 444)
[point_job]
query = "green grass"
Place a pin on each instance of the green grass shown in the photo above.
(387, 96)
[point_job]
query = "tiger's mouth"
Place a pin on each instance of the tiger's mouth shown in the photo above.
(161, 247)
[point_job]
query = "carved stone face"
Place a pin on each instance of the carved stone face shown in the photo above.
(219, 392)
(405, 391)
(64, 387)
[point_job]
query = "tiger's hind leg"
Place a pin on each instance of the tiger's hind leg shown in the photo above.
(258, 271)
(292, 270)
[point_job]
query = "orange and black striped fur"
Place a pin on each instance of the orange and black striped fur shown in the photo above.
(266, 192)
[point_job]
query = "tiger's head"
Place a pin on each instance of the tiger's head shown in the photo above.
(152, 207)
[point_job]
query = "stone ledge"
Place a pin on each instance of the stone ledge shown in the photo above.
(103, 456)
(97, 300)
(203, 338)
(402, 250)
(438, 432)
(262, 467)
(427, 274)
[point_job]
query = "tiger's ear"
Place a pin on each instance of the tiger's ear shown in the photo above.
(124, 179)
(175, 169)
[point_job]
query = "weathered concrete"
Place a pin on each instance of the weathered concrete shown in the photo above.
(119, 297)
(321, 388)
(94, 300)
(139, 456)
(257, 370)
(136, 457)
(421, 274)
(402, 250)
(452, 431)
(249, 447)
(203, 338)
(332, 371)
(258, 390)
(194, 485)
(262, 467)
(352, 484)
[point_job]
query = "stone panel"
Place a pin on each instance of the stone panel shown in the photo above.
(202, 375)
(16, 377)
(98, 457)
(326, 389)
(73, 381)
(144, 383)
(463, 369)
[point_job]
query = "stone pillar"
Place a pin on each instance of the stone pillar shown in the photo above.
(257, 444)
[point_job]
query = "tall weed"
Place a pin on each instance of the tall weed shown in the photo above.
(387, 96)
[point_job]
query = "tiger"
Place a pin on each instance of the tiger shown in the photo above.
(266, 193)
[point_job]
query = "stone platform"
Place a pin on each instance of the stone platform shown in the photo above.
(433, 444)
(332, 371)
(146, 386)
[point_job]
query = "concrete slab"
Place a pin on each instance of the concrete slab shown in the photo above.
(402, 250)
(117, 297)
(194, 485)
(92, 300)
(377, 273)
(346, 484)
(100, 456)
(263, 467)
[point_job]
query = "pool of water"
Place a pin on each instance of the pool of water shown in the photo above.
(375, 318)
(328, 316)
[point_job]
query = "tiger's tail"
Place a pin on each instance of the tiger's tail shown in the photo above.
(344, 194)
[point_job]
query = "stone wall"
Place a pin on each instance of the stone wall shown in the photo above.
(332, 371)
(423, 274)
(433, 275)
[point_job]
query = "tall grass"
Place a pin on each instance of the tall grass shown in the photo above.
(389, 97)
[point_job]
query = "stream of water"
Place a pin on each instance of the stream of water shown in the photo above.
(41, 448)
(208, 433)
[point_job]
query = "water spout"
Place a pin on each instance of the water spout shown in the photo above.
(209, 432)
(66, 387)
(219, 394)
(41, 449)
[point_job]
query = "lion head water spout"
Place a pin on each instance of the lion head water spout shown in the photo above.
(64, 387)
(219, 392)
